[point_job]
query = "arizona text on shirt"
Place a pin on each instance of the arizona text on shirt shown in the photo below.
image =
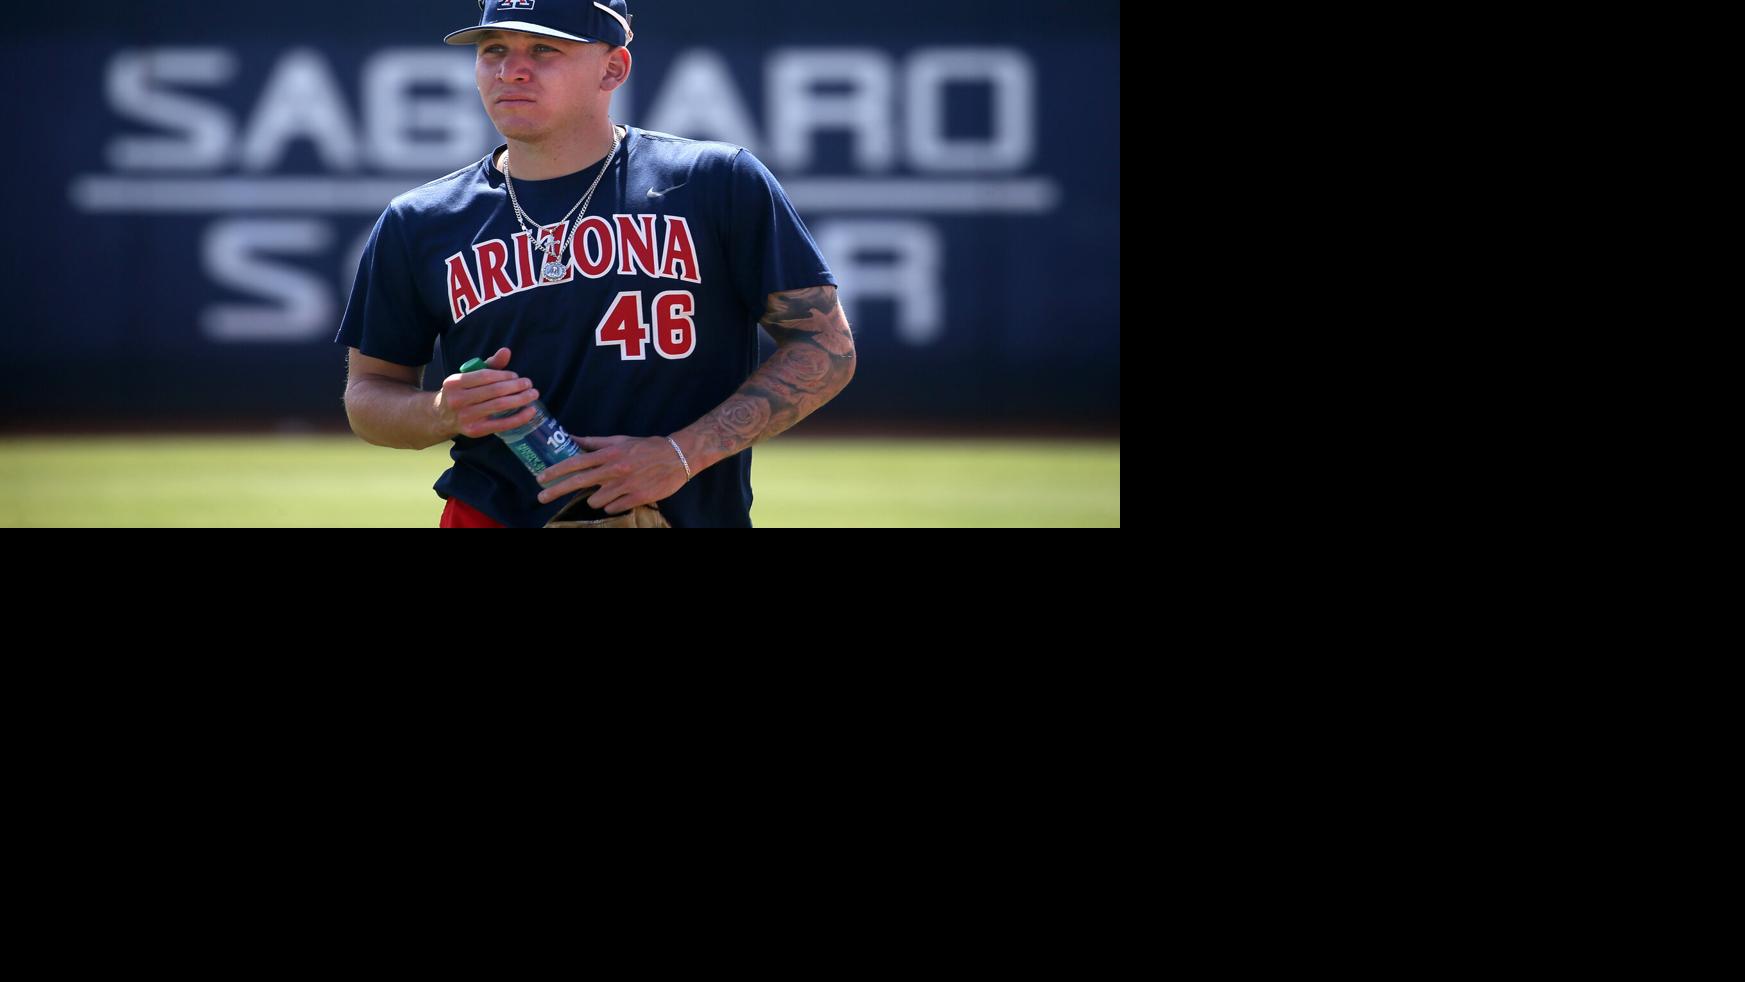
(628, 245)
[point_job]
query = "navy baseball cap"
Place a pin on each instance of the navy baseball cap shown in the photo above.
(572, 20)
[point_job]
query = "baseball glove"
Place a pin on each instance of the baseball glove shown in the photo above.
(640, 517)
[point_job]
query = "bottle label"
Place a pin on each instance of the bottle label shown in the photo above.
(546, 445)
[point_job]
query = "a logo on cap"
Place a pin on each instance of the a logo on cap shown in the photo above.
(515, 5)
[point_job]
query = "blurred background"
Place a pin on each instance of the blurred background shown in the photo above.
(197, 181)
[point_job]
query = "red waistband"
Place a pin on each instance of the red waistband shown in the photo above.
(460, 515)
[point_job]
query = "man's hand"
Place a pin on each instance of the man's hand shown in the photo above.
(629, 471)
(466, 402)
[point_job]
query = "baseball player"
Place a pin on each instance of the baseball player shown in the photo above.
(615, 274)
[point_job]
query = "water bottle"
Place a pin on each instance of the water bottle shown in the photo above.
(539, 443)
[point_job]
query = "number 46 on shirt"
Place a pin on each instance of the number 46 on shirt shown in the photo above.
(674, 333)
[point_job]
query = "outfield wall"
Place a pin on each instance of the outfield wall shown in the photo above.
(195, 181)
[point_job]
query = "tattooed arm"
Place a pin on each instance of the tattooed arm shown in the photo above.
(814, 360)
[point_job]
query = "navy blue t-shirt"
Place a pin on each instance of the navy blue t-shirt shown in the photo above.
(653, 325)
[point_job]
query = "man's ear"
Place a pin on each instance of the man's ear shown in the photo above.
(617, 68)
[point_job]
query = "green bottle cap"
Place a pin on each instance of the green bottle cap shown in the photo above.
(474, 365)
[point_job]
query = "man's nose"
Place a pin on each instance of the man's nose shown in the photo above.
(515, 68)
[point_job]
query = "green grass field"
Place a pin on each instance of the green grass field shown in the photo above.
(301, 481)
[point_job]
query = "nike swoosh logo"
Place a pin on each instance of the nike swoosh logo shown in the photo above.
(655, 194)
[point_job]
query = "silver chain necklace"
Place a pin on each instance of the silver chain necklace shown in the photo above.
(552, 269)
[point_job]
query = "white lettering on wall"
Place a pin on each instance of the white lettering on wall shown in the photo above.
(138, 87)
(219, 152)
(407, 131)
(797, 109)
(1006, 73)
(301, 101)
(698, 99)
(908, 271)
(237, 254)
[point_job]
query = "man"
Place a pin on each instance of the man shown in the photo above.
(622, 271)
